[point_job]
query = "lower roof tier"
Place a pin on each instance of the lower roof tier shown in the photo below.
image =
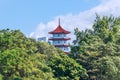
(62, 45)
(59, 38)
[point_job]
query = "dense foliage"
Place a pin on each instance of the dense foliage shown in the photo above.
(98, 50)
(22, 58)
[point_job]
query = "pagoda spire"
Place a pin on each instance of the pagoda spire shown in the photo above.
(59, 21)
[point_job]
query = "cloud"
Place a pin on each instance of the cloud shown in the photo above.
(82, 20)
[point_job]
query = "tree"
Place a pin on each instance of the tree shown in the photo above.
(23, 58)
(65, 68)
(97, 49)
(106, 27)
(19, 58)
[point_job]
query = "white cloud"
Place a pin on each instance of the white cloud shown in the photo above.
(82, 20)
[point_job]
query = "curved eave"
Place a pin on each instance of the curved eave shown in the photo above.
(61, 45)
(59, 38)
(59, 30)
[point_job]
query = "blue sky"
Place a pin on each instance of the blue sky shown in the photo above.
(27, 14)
(36, 18)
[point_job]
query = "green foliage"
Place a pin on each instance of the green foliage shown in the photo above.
(65, 68)
(106, 27)
(98, 50)
(23, 58)
(109, 67)
(19, 59)
(1, 77)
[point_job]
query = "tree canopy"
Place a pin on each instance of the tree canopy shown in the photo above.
(23, 58)
(98, 50)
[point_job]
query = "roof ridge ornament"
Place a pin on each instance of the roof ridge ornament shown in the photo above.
(59, 21)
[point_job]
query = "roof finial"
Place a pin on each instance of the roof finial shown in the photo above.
(59, 21)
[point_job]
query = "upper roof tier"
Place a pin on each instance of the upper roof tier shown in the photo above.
(59, 29)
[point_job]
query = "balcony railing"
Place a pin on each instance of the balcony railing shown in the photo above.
(59, 38)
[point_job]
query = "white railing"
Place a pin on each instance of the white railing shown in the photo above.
(60, 43)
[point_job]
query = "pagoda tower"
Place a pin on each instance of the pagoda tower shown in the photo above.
(59, 38)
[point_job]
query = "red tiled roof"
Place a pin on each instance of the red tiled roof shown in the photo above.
(59, 29)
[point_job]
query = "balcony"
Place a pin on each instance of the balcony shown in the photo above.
(62, 38)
